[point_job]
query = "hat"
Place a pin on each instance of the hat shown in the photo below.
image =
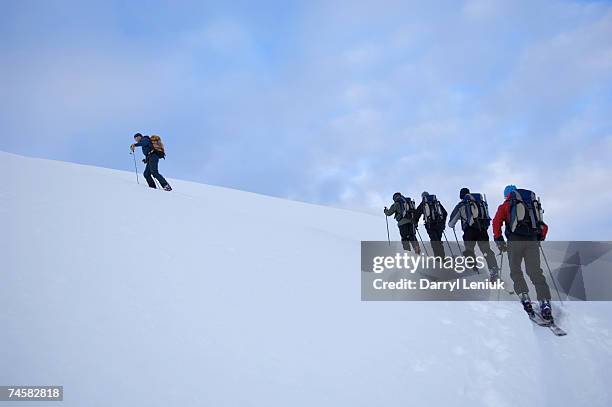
(509, 189)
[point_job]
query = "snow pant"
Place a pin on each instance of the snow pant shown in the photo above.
(435, 237)
(520, 249)
(407, 232)
(474, 236)
(151, 171)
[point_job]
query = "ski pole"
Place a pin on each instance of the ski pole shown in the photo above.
(421, 239)
(501, 267)
(550, 272)
(388, 238)
(448, 244)
(456, 240)
(135, 167)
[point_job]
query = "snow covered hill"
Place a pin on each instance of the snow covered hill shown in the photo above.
(209, 296)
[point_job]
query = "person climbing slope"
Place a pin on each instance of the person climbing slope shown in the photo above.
(153, 150)
(404, 211)
(475, 221)
(434, 217)
(521, 212)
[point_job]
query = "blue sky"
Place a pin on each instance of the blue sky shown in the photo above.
(339, 103)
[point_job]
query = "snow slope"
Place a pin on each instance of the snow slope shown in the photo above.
(211, 296)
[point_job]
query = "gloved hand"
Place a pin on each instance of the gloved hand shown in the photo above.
(541, 235)
(132, 147)
(385, 210)
(501, 244)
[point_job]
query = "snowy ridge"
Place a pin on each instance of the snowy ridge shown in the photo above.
(210, 296)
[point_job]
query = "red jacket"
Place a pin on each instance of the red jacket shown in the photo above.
(503, 215)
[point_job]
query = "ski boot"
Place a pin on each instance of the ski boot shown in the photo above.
(546, 310)
(167, 187)
(527, 304)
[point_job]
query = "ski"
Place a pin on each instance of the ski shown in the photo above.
(552, 325)
(538, 320)
(556, 330)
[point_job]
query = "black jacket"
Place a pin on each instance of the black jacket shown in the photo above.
(147, 146)
(420, 212)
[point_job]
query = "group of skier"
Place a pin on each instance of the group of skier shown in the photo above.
(408, 214)
(520, 213)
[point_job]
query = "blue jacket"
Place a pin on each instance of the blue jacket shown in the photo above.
(146, 145)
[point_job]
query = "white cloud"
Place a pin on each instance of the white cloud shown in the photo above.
(350, 103)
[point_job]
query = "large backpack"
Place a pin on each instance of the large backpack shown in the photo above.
(432, 210)
(477, 210)
(405, 208)
(525, 213)
(158, 146)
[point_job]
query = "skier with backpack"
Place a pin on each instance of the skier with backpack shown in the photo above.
(404, 210)
(153, 150)
(434, 217)
(521, 212)
(473, 212)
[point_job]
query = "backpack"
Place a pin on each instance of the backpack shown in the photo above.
(405, 208)
(477, 210)
(158, 146)
(525, 213)
(431, 209)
